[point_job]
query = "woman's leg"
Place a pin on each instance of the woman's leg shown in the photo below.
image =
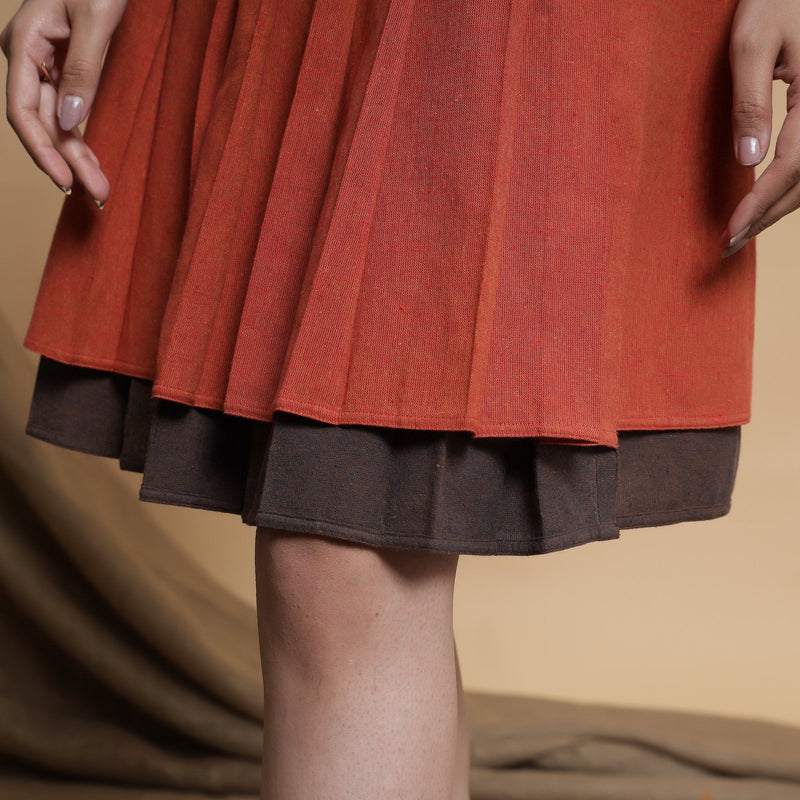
(461, 787)
(360, 680)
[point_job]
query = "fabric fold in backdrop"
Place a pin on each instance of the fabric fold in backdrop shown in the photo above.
(122, 660)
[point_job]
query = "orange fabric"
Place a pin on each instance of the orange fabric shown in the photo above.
(501, 217)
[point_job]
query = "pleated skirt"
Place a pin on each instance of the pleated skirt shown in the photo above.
(495, 217)
(413, 274)
(438, 491)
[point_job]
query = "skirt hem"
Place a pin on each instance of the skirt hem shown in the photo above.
(434, 491)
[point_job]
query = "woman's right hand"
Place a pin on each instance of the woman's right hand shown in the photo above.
(69, 37)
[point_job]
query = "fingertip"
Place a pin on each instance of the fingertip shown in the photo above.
(732, 243)
(739, 223)
(749, 151)
(98, 188)
(71, 111)
(733, 249)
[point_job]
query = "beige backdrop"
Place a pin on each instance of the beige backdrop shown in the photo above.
(698, 616)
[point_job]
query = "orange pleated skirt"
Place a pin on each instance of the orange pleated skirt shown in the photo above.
(495, 216)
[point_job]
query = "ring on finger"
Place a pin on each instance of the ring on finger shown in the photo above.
(44, 74)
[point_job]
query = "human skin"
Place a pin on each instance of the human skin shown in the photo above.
(765, 46)
(70, 37)
(362, 693)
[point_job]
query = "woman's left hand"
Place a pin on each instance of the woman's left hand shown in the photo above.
(765, 46)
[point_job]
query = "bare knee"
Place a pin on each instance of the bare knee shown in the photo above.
(321, 600)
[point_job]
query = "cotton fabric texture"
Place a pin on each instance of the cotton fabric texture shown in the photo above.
(501, 218)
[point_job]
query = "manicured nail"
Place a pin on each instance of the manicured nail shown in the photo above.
(736, 243)
(734, 240)
(749, 151)
(70, 113)
(64, 189)
(100, 205)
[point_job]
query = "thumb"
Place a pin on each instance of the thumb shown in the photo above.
(92, 24)
(752, 65)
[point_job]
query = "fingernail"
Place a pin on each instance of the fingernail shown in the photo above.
(734, 240)
(736, 243)
(749, 151)
(70, 112)
(64, 189)
(100, 205)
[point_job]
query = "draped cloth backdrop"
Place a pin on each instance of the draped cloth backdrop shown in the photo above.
(127, 672)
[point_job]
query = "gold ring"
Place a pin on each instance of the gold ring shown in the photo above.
(44, 74)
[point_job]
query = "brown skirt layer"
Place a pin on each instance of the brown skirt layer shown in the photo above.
(386, 487)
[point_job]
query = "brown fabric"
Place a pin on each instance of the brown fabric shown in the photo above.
(128, 673)
(418, 214)
(431, 490)
(539, 749)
